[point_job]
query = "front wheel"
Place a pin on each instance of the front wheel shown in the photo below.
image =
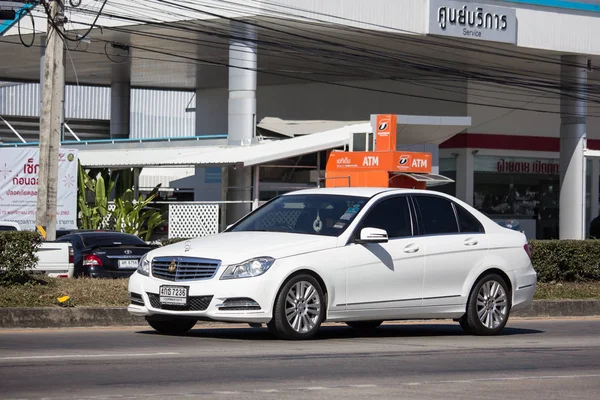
(171, 326)
(299, 309)
(488, 307)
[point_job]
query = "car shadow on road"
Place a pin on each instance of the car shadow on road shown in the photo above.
(341, 331)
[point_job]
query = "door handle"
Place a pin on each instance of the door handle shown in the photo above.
(411, 248)
(470, 242)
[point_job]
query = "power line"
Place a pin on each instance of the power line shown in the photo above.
(355, 60)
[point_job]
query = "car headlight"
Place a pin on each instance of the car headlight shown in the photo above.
(144, 266)
(249, 268)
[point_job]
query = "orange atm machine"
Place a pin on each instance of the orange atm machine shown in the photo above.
(384, 167)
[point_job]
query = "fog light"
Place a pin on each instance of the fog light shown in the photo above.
(239, 303)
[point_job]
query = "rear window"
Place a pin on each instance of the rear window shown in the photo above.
(7, 228)
(111, 239)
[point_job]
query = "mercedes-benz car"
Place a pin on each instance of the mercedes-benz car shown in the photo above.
(355, 255)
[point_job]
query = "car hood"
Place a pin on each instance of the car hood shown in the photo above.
(235, 247)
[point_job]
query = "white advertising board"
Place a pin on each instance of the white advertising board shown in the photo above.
(19, 169)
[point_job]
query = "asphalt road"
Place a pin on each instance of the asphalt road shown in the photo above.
(534, 359)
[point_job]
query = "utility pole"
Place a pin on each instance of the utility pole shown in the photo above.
(50, 124)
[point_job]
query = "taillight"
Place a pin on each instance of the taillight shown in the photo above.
(527, 249)
(92, 260)
(71, 255)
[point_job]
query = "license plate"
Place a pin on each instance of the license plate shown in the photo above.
(128, 264)
(175, 295)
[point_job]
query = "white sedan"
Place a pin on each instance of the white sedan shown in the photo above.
(355, 255)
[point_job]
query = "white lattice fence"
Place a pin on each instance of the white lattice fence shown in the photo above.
(193, 220)
(106, 220)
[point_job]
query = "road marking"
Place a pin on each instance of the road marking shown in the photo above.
(361, 386)
(50, 357)
(519, 378)
(311, 388)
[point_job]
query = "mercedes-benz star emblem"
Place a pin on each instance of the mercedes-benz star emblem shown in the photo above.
(173, 266)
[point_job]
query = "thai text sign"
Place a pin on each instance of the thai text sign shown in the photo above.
(19, 169)
(517, 165)
(472, 21)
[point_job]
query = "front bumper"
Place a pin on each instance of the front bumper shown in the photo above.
(208, 297)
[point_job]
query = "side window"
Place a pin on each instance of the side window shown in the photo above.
(437, 215)
(392, 214)
(467, 222)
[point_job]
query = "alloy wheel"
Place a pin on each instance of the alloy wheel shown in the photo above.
(302, 307)
(492, 304)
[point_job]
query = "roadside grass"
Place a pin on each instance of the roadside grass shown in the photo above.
(567, 290)
(83, 292)
(87, 292)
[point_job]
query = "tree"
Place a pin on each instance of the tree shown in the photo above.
(128, 215)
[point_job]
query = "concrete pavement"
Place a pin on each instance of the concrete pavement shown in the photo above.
(56, 317)
(550, 359)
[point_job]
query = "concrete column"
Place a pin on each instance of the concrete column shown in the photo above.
(465, 175)
(573, 110)
(120, 100)
(241, 120)
(594, 189)
(42, 66)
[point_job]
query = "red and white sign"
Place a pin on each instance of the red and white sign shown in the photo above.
(19, 169)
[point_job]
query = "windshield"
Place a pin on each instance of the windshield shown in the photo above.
(313, 214)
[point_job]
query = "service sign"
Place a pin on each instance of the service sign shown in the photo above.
(473, 21)
(19, 169)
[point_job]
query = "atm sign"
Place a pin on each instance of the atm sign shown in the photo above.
(414, 162)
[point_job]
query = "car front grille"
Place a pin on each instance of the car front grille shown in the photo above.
(181, 269)
(194, 303)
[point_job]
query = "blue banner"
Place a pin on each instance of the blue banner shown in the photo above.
(20, 13)
(591, 6)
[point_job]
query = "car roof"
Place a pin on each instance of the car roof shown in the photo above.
(353, 191)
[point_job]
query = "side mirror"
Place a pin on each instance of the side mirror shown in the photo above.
(372, 235)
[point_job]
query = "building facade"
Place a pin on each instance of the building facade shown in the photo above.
(525, 71)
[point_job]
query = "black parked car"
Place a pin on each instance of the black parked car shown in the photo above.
(105, 254)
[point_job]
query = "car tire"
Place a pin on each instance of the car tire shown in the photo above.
(488, 307)
(299, 309)
(171, 326)
(364, 325)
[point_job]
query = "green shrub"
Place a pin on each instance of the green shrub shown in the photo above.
(566, 260)
(18, 256)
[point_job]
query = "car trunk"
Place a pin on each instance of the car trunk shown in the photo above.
(121, 257)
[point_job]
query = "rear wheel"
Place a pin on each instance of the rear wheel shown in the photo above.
(299, 309)
(488, 307)
(171, 326)
(364, 325)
